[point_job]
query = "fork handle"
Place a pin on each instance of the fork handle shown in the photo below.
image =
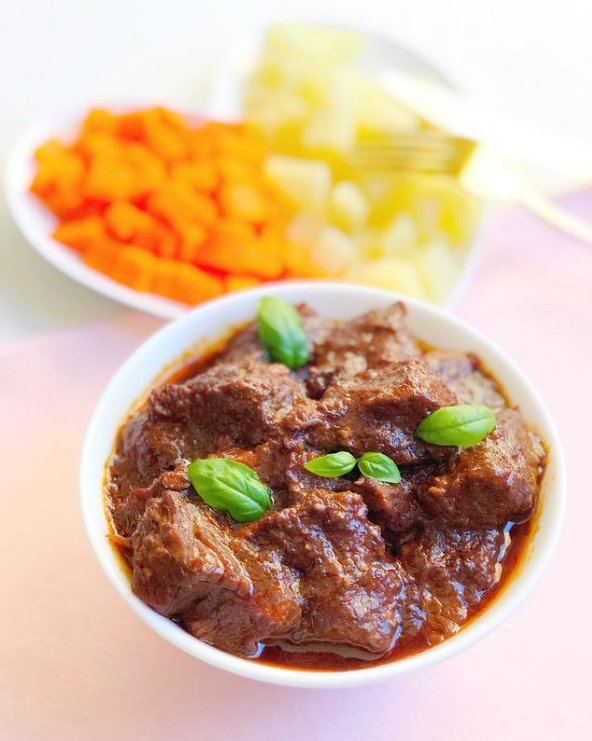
(555, 215)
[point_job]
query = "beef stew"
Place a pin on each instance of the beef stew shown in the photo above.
(338, 572)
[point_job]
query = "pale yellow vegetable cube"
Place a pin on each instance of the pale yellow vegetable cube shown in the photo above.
(333, 251)
(400, 236)
(348, 208)
(392, 274)
(305, 227)
(333, 124)
(439, 267)
(303, 183)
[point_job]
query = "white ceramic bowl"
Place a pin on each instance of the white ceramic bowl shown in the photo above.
(214, 319)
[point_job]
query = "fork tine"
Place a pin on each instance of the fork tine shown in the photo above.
(423, 151)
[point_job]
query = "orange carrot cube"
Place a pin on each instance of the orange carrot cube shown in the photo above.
(81, 234)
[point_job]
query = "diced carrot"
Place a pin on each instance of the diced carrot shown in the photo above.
(131, 125)
(60, 174)
(163, 283)
(175, 120)
(81, 233)
(162, 139)
(244, 202)
(99, 119)
(50, 150)
(135, 268)
(193, 236)
(148, 196)
(236, 229)
(240, 282)
(193, 285)
(186, 283)
(201, 174)
(149, 170)
(101, 256)
(202, 143)
(108, 181)
(242, 256)
(178, 204)
(124, 220)
(128, 223)
(236, 146)
(235, 171)
(298, 262)
(100, 144)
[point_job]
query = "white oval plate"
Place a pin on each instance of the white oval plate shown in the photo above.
(37, 223)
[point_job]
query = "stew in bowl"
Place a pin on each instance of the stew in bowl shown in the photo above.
(328, 493)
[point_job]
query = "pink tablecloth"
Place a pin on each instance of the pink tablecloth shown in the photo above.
(76, 664)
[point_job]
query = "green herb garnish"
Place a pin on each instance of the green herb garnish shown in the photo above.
(464, 425)
(231, 486)
(331, 465)
(373, 465)
(281, 332)
(380, 467)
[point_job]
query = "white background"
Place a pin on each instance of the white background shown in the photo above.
(531, 57)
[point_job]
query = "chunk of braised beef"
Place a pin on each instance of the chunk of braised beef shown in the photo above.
(127, 511)
(240, 624)
(455, 568)
(373, 340)
(184, 563)
(349, 585)
(463, 375)
(489, 484)
(379, 410)
(149, 446)
(180, 552)
(245, 404)
(393, 505)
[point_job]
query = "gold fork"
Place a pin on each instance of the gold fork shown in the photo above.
(478, 169)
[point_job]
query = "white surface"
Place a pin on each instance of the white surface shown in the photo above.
(215, 319)
(528, 56)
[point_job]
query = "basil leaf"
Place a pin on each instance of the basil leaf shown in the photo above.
(231, 486)
(380, 467)
(281, 332)
(464, 425)
(331, 465)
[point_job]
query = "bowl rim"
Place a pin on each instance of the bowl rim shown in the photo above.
(500, 609)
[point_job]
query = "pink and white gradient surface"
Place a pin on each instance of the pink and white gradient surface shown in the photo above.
(77, 665)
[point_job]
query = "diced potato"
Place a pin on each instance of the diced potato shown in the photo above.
(396, 229)
(439, 268)
(392, 274)
(305, 228)
(303, 183)
(333, 125)
(400, 237)
(347, 206)
(333, 251)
